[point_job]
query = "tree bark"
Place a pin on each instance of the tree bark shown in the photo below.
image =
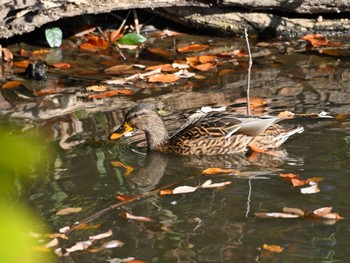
(279, 17)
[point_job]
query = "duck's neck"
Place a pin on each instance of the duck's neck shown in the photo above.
(157, 136)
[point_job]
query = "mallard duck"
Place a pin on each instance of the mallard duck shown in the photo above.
(205, 133)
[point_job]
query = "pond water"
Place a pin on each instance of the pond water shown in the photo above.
(208, 225)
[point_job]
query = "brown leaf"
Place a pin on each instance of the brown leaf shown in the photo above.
(137, 218)
(295, 211)
(12, 84)
(111, 93)
(94, 44)
(40, 52)
(163, 67)
(192, 48)
(62, 65)
(297, 182)
(192, 59)
(115, 35)
(48, 90)
(215, 170)
(8, 56)
(286, 115)
(125, 198)
(69, 210)
(160, 51)
(163, 78)
(273, 248)
(85, 226)
(118, 69)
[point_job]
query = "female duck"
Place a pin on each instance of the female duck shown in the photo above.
(205, 133)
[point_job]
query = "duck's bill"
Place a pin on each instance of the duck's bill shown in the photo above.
(124, 130)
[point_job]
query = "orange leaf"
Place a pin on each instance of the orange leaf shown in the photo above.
(286, 115)
(193, 59)
(125, 198)
(297, 182)
(40, 52)
(253, 102)
(11, 84)
(164, 67)
(47, 91)
(206, 66)
(94, 44)
(312, 36)
(166, 192)
(7, 54)
(116, 35)
(61, 65)
(273, 248)
(21, 64)
(111, 93)
(215, 170)
(192, 48)
(24, 53)
(290, 175)
(163, 78)
(207, 58)
(85, 226)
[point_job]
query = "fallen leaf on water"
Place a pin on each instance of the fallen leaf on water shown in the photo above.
(137, 218)
(21, 64)
(117, 69)
(115, 81)
(163, 67)
(85, 226)
(215, 170)
(96, 88)
(184, 189)
(297, 182)
(94, 44)
(11, 84)
(64, 229)
(295, 211)
(253, 102)
(209, 184)
(192, 48)
(69, 210)
(314, 180)
(273, 248)
(101, 236)
(125, 198)
(81, 245)
(289, 175)
(163, 78)
(8, 56)
(322, 211)
(107, 245)
(205, 66)
(310, 190)
(160, 51)
(62, 65)
(286, 115)
(276, 215)
(180, 65)
(325, 213)
(48, 91)
(166, 192)
(111, 93)
(207, 58)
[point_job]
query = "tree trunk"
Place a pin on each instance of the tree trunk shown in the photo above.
(278, 17)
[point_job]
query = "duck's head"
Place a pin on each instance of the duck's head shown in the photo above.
(143, 117)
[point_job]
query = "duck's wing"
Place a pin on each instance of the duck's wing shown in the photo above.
(255, 126)
(216, 124)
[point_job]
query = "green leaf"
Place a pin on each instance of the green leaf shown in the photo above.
(54, 36)
(132, 39)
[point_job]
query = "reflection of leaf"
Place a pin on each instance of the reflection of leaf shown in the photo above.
(273, 248)
(132, 39)
(68, 210)
(192, 48)
(54, 36)
(11, 84)
(215, 170)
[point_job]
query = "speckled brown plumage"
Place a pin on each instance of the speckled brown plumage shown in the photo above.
(204, 133)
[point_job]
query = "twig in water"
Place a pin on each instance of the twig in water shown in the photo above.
(249, 69)
(136, 21)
